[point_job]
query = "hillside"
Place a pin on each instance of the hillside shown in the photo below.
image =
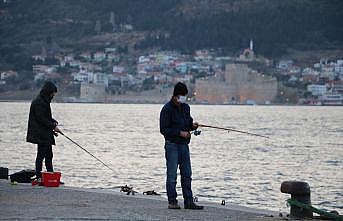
(275, 26)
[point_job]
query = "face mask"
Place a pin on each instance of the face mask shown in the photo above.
(182, 99)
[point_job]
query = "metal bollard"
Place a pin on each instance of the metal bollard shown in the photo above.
(301, 192)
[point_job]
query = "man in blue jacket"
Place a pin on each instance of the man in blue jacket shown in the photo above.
(175, 125)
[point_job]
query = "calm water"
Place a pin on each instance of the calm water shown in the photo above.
(306, 144)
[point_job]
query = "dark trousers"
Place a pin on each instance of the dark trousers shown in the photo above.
(178, 155)
(44, 152)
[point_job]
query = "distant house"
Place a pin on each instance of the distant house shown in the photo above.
(310, 75)
(118, 69)
(68, 58)
(317, 65)
(339, 69)
(328, 74)
(111, 57)
(75, 64)
(181, 67)
(317, 90)
(84, 77)
(309, 78)
(86, 55)
(8, 75)
(38, 58)
(99, 56)
(110, 50)
(53, 76)
(184, 78)
(143, 59)
(127, 27)
(293, 79)
(100, 79)
(337, 87)
(285, 64)
(202, 55)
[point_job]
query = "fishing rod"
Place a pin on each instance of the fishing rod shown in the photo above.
(229, 129)
(86, 151)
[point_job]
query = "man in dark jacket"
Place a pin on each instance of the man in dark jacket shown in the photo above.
(42, 127)
(175, 125)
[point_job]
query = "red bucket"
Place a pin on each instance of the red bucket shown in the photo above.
(51, 179)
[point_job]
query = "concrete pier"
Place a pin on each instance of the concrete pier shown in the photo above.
(24, 202)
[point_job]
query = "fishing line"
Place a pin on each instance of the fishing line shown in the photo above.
(86, 151)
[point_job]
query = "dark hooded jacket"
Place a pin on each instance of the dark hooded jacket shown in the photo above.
(174, 119)
(41, 124)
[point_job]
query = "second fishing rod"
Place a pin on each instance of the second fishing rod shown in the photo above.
(229, 130)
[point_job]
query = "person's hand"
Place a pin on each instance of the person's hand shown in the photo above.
(195, 125)
(55, 122)
(57, 130)
(185, 134)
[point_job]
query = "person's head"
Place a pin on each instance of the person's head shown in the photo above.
(49, 90)
(180, 93)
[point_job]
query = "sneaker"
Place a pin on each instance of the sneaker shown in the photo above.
(194, 206)
(37, 182)
(40, 182)
(173, 206)
(61, 183)
(34, 182)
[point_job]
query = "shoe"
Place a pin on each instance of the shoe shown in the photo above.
(174, 206)
(61, 183)
(34, 182)
(194, 206)
(40, 182)
(37, 182)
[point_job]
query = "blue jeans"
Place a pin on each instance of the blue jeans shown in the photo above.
(178, 154)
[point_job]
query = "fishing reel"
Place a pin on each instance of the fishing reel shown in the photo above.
(197, 132)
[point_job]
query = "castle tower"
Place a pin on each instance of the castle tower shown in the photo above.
(251, 45)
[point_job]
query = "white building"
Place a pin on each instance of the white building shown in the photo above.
(118, 69)
(75, 64)
(80, 77)
(143, 59)
(340, 62)
(113, 57)
(87, 56)
(285, 64)
(38, 57)
(99, 56)
(101, 79)
(110, 50)
(339, 69)
(317, 90)
(317, 65)
(8, 74)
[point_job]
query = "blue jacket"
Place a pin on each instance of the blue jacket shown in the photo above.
(174, 119)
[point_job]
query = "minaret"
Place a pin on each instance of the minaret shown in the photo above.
(251, 45)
